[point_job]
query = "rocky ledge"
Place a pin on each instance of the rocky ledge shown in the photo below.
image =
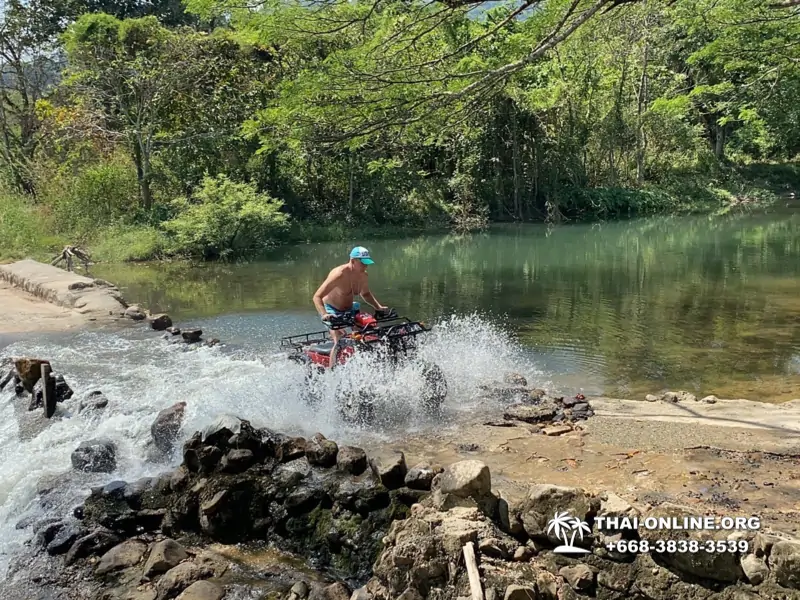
(381, 531)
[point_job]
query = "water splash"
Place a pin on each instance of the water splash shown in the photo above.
(141, 375)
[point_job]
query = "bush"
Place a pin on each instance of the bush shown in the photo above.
(124, 243)
(24, 229)
(100, 195)
(225, 218)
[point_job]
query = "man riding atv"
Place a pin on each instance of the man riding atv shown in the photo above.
(335, 297)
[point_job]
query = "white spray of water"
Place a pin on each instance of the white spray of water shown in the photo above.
(141, 376)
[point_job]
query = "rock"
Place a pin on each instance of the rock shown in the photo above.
(684, 396)
(361, 594)
(509, 518)
(135, 313)
(547, 586)
(651, 398)
(237, 461)
(63, 391)
(94, 401)
(127, 554)
(288, 448)
(763, 543)
(784, 561)
(191, 336)
(544, 501)
(337, 591)
(173, 330)
(180, 577)
(493, 547)
(519, 592)
(555, 430)
(670, 397)
(202, 590)
(46, 530)
(212, 342)
(29, 371)
(531, 414)
(215, 563)
(160, 322)
(321, 452)
(167, 426)
(97, 542)
(710, 399)
(64, 539)
(299, 590)
(351, 459)
(420, 477)
(115, 490)
(515, 379)
(755, 569)
(221, 430)
(523, 554)
(95, 456)
(164, 556)
(579, 577)
(465, 479)
(391, 469)
(612, 506)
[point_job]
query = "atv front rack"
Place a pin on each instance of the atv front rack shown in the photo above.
(401, 327)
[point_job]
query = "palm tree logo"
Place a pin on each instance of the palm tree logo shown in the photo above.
(561, 525)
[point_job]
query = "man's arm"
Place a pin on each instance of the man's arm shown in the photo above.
(324, 289)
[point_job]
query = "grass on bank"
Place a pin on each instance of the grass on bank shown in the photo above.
(31, 230)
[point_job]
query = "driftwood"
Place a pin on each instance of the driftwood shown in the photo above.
(6, 379)
(472, 572)
(67, 255)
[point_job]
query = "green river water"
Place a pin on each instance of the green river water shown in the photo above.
(706, 304)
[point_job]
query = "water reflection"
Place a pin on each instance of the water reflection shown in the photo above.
(705, 304)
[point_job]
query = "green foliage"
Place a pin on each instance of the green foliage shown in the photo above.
(25, 230)
(124, 243)
(225, 218)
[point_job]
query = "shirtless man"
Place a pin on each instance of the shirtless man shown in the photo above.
(335, 296)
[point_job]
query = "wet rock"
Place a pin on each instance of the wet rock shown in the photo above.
(351, 459)
(710, 399)
(651, 398)
(531, 414)
(465, 479)
(420, 477)
(215, 563)
(192, 336)
(173, 330)
(164, 556)
(222, 429)
(63, 390)
(212, 342)
(160, 322)
(29, 371)
(520, 592)
(125, 555)
(167, 426)
(390, 468)
(544, 501)
(288, 448)
(46, 530)
(135, 313)
(579, 577)
(202, 590)
(65, 537)
(178, 578)
(515, 379)
(114, 490)
(94, 401)
(95, 456)
(299, 590)
(96, 542)
(784, 560)
(237, 461)
(755, 569)
(321, 452)
(179, 479)
(363, 496)
(337, 591)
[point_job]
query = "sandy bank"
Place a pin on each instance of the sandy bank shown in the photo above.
(39, 297)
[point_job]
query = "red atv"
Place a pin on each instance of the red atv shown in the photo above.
(386, 333)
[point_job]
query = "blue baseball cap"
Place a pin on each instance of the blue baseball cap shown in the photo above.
(361, 254)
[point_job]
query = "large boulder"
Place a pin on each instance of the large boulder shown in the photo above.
(784, 560)
(95, 456)
(351, 460)
(321, 452)
(165, 555)
(65, 538)
(167, 426)
(544, 502)
(202, 590)
(160, 322)
(180, 577)
(531, 414)
(466, 479)
(755, 569)
(94, 401)
(29, 371)
(125, 555)
(96, 542)
(390, 468)
(420, 477)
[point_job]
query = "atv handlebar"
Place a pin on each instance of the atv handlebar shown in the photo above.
(340, 322)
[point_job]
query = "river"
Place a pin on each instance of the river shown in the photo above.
(705, 304)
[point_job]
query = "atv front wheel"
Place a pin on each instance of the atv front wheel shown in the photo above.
(434, 388)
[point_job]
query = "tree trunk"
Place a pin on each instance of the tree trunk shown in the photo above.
(515, 161)
(351, 190)
(641, 139)
(142, 160)
(719, 141)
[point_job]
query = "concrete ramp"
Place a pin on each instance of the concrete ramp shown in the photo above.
(90, 297)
